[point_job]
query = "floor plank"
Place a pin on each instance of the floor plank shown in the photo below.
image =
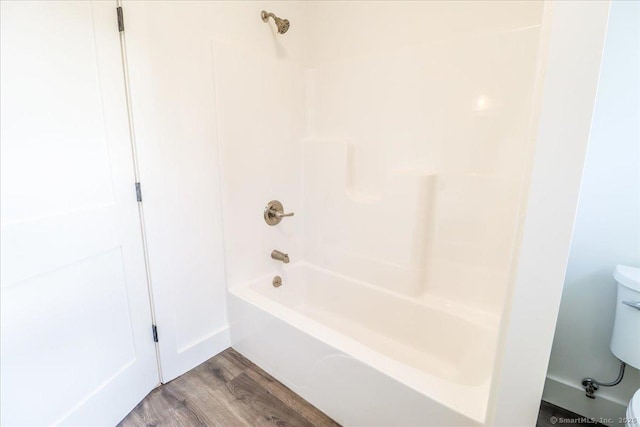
(552, 415)
(267, 409)
(237, 359)
(227, 390)
(213, 406)
(286, 395)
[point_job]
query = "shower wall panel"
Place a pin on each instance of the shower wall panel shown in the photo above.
(259, 104)
(432, 118)
(384, 238)
(260, 111)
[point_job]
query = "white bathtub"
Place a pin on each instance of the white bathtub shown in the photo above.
(364, 355)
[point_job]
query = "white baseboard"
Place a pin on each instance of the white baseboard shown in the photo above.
(572, 397)
(194, 354)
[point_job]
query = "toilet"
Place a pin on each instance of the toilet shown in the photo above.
(625, 341)
(633, 411)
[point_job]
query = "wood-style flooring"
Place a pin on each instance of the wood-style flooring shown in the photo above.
(226, 391)
(230, 391)
(552, 415)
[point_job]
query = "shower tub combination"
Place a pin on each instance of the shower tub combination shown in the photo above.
(379, 323)
(364, 355)
(406, 177)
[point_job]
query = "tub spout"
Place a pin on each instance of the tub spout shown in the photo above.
(277, 255)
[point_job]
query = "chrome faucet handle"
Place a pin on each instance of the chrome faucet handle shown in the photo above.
(274, 212)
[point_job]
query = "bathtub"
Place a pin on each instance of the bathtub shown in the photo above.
(364, 355)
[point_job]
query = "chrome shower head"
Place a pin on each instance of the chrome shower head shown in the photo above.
(282, 24)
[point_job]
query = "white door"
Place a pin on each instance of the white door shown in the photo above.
(77, 347)
(173, 109)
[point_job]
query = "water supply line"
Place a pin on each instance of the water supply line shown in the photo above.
(591, 385)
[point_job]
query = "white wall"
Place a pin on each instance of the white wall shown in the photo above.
(573, 33)
(606, 233)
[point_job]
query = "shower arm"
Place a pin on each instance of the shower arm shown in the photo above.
(266, 15)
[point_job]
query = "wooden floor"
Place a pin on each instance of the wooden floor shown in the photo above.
(230, 391)
(227, 391)
(552, 415)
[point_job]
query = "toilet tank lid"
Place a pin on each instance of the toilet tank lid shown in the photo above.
(628, 276)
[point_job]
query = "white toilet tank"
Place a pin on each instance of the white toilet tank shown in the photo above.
(625, 342)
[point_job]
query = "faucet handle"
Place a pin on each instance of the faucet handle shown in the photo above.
(282, 215)
(274, 212)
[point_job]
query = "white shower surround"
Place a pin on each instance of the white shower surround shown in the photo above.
(306, 336)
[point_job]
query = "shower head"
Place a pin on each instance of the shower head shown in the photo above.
(282, 24)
